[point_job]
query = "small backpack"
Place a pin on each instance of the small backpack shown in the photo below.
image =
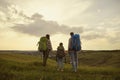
(60, 52)
(76, 44)
(42, 44)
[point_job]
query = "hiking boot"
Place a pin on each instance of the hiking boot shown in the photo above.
(75, 71)
(62, 70)
(58, 69)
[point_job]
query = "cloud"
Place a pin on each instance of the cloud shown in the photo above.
(4, 4)
(3, 9)
(93, 15)
(107, 6)
(11, 14)
(93, 35)
(34, 25)
(40, 27)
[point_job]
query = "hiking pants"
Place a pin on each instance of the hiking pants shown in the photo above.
(74, 60)
(60, 62)
(45, 57)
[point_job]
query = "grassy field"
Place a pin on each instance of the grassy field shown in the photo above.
(93, 65)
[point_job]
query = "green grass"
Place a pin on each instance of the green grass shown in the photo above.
(92, 66)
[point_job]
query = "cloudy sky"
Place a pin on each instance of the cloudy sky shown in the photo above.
(23, 22)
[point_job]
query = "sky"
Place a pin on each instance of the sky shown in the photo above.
(23, 22)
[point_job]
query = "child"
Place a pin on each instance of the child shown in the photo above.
(60, 56)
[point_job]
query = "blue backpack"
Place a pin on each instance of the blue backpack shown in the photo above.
(76, 44)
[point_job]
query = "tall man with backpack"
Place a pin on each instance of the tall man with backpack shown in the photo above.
(45, 47)
(74, 45)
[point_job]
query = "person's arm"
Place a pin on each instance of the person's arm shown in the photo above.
(49, 45)
(63, 50)
(68, 44)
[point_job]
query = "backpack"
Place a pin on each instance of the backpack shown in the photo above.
(76, 44)
(60, 52)
(42, 44)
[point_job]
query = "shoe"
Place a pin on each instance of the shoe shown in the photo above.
(62, 70)
(75, 71)
(58, 69)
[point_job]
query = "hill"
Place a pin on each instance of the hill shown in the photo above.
(93, 65)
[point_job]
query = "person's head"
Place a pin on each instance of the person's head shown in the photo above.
(61, 44)
(71, 33)
(47, 36)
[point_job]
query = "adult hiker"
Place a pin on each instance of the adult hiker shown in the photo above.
(74, 45)
(45, 47)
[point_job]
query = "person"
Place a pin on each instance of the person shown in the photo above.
(60, 57)
(46, 52)
(45, 47)
(72, 53)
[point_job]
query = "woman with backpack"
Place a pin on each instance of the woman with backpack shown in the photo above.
(45, 47)
(60, 57)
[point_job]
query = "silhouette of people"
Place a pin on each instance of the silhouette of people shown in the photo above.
(45, 47)
(49, 48)
(60, 57)
(73, 54)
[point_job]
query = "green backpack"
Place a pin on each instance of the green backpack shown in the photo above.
(42, 44)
